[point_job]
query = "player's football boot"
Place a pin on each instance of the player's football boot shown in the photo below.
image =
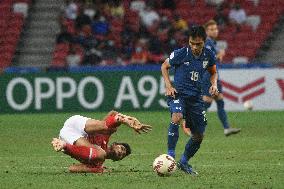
(58, 144)
(231, 131)
(187, 168)
(172, 153)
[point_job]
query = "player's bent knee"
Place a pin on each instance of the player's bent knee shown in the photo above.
(219, 96)
(176, 118)
(207, 99)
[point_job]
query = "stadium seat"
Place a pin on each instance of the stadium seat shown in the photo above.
(262, 16)
(59, 55)
(21, 7)
(116, 25)
(166, 12)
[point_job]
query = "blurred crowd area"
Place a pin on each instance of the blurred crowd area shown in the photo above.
(123, 32)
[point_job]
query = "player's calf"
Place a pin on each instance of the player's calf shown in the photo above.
(207, 102)
(173, 133)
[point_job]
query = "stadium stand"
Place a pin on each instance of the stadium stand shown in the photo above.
(111, 32)
(11, 24)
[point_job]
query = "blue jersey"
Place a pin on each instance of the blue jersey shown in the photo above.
(189, 70)
(211, 45)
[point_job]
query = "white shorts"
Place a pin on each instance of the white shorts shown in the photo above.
(73, 129)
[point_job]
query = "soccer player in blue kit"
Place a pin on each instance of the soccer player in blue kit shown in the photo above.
(211, 29)
(184, 98)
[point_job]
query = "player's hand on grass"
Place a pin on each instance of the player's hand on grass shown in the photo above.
(58, 144)
(171, 91)
(213, 90)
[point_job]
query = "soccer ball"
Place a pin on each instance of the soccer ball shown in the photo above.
(248, 105)
(164, 165)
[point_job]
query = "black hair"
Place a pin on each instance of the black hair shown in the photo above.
(197, 31)
(127, 148)
(114, 157)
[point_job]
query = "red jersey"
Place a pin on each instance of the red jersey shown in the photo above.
(101, 141)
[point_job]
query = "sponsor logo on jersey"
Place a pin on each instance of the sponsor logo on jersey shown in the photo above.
(205, 63)
(172, 55)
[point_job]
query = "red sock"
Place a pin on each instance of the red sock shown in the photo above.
(111, 122)
(81, 153)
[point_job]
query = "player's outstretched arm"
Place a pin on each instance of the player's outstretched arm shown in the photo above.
(106, 126)
(112, 121)
(133, 123)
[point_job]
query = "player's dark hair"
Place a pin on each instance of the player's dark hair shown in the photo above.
(127, 147)
(197, 31)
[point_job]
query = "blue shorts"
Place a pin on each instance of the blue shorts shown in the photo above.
(176, 105)
(192, 109)
(206, 84)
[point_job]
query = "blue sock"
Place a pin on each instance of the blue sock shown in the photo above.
(173, 135)
(207, 105)
(222, 113)
(191, 148)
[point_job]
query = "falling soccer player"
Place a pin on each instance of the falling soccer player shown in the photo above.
(86, 140)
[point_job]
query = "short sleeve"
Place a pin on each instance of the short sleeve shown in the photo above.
(177, 56)
(212, 58)
(209, 44)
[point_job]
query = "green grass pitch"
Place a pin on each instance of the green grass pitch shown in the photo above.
(252, 159)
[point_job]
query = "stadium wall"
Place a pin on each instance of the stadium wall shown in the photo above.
(130, 90)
